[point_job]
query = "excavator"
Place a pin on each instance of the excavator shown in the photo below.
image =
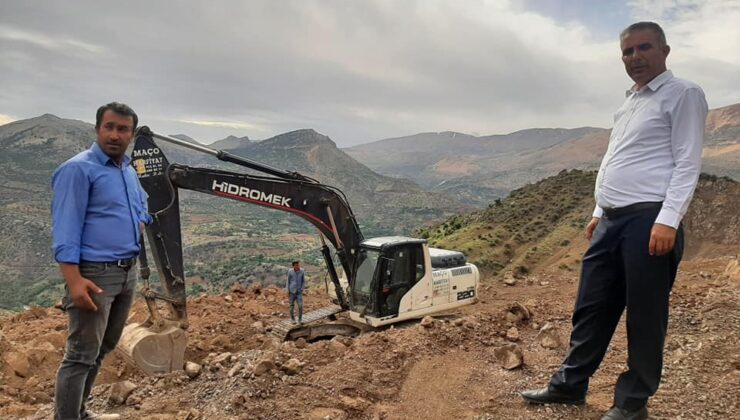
(385, 280)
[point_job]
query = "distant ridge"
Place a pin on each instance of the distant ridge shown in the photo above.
(483, 168)
(230, 142)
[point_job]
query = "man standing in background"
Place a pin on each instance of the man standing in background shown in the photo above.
(643, 189)
(98, 212)
(295, 284)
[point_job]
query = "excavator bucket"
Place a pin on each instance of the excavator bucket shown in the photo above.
(153, 352)
(158, 345)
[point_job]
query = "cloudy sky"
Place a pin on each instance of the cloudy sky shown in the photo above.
(355, 70)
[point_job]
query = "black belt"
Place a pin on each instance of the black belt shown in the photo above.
(632, 208)
(125, 264)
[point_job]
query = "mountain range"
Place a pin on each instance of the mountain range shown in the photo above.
(394, 186)
(481, 169)
(31, 149)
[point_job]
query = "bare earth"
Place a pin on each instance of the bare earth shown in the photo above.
(445, 371)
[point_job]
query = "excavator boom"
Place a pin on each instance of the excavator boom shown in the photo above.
(323, 206)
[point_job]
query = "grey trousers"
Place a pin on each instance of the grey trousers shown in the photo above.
(293, 298)
(92, 335)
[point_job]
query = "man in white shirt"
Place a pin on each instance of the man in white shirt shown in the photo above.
(644, 186)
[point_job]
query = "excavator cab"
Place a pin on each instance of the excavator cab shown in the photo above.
(399, 278)
(387, 269)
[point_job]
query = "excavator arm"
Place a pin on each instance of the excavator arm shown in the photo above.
(323, 206)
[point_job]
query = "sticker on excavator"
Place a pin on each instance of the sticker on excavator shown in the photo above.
(466, 294)
(147, 159)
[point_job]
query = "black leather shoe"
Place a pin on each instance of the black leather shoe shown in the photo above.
(552, 396)
(617, 413)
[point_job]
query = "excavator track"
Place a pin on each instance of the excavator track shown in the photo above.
(287, 330)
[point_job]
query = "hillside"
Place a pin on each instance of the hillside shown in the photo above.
(230, 142)
(484, 168)
(225, 241)
(541, 224)
(375, 198)
(722, 148)
(442, 369)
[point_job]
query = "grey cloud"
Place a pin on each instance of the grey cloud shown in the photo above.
(354, 70)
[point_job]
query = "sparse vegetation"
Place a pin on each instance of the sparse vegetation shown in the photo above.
(517, 232)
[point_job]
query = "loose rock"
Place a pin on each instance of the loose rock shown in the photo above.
(427, 322)
(120, 391)
(192, 369)
(263, 366)
(222, 358)
(18, 362)
(235, 370)
(238, 288)
(509, 278)
(518, 312)
(512, 334)
(548, 337)
(292, 366)
(337, 345)
(509, 356)
(359, 404)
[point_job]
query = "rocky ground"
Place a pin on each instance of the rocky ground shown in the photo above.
(463, 366)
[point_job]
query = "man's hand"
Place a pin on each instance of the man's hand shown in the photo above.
(590, 227)
(80, 292)
(662, 239)
(80, 288)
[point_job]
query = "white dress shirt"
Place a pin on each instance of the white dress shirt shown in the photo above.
(654, 151)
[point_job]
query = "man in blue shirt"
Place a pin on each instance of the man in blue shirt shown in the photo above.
(296, 282)
(98, 212)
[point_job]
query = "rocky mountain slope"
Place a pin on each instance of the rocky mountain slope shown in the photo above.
(482, 169)
(539, 224)
(230, 142)
(399, 201)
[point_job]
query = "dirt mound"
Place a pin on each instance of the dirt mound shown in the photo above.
(443, 368)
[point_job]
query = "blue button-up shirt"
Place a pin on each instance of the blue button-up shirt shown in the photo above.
(96, 209)
(296, 280)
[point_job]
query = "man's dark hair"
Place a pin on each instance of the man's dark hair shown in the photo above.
(295, 262)
(118, 108)
(650, 26)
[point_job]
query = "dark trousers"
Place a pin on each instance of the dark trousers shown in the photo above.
(91, 336)
(619, 272)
